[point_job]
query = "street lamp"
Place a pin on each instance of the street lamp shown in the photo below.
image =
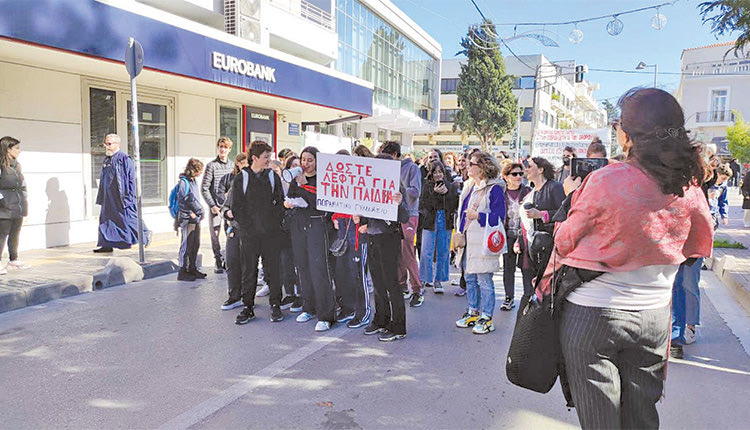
(643, 65)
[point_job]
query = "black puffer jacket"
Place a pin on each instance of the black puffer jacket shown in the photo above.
(430, 202)
(13, 205)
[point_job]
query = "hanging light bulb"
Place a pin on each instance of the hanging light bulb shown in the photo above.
(615, 26)
(576, 36)
(658, 21)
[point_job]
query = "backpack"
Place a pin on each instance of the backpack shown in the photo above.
(174, 199)
(271, 178)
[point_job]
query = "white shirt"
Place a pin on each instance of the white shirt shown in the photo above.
(649, 287)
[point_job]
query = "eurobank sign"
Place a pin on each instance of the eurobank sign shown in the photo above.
(98, 30)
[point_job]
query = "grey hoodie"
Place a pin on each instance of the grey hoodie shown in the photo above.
(411, 186)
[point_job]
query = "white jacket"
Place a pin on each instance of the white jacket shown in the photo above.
(476, 260)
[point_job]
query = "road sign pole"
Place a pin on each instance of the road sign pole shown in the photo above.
(134, 65)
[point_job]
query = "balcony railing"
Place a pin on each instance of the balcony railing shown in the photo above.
(306, 10)
(715, 116)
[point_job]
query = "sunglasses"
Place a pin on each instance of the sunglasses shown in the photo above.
(515, 174)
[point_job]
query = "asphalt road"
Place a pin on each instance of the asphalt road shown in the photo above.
(160, 354)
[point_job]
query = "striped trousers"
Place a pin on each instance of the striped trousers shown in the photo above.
(615, 363)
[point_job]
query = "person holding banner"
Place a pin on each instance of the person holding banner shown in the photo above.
(310, 243)
(411, 188)
(481, 204)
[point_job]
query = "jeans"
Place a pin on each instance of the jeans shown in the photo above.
(437, 241)
(480, 292)
(686, 299)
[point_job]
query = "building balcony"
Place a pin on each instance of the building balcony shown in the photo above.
(299, 28)
(719, 116)
(306, 10)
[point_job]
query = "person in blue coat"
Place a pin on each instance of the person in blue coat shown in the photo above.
(118, 219)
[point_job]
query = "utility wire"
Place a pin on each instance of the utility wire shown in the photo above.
(595, 18)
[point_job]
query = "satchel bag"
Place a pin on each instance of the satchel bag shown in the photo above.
(495, 240)
(341, 244)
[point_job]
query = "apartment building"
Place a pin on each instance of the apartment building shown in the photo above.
(541, 85)
(282, 71)
(714, 84)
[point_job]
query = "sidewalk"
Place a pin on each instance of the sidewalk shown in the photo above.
(71, 270)
(732, 266)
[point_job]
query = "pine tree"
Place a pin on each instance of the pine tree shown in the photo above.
(729, 16)
(488, 106)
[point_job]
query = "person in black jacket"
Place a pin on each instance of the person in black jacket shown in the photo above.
(257, 206)
(13, 204)
(437, 208)
(233, 253)
(514, 195)
(188, 221)
(310, 242)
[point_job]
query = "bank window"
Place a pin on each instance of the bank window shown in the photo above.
(152, 132)
(102, 121)
(230, 126)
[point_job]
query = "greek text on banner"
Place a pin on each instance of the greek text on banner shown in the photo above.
(358, 185)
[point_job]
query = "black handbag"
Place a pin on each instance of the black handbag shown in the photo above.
(341, 244)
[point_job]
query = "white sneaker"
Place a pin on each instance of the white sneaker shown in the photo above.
(304, 317)
(438, 289)
(264, 291)
(456, 282)
(322, 326)
(3, 271)
(689, 335)
(18, 264)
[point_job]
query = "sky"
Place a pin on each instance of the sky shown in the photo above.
(447, 21)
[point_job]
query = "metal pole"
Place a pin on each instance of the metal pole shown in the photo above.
(137, 160)
(533, 109)
(656, 71)
(518, 134)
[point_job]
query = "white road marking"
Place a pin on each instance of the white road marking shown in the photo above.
(262, 377)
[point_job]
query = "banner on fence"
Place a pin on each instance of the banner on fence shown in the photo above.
(549, 144)
(358, 185)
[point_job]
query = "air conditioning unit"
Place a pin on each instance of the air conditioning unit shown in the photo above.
(242, 18)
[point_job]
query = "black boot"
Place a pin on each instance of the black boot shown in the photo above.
(197, 273)
(185, 275)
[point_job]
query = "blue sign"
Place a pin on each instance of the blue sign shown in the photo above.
(294, 129)
(95, 29)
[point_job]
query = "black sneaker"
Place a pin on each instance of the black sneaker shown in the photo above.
(343, 317)
(373, 329)
(416, 300)
(198, 274)
(389, 336)
(356, 323)
(287, 302)
(231, 304)
(276, 314)
(219, 266)
(103, 250)
(297, 305)
(245, 316)
(508, 304)
(676, 351)
(185, 275)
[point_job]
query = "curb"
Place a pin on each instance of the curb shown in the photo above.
(722, 267)
(111, 275)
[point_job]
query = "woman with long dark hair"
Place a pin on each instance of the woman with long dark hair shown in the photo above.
(515, 192)
(13, 203)
(310, 242)
(630, 226)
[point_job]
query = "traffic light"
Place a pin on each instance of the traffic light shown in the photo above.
(580, 70)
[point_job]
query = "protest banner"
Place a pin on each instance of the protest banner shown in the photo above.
(549, 144)
(358, 185)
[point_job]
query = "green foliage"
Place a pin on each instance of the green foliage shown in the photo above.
(728, 16)
(738, 136)
(484, 91)
(724, 243)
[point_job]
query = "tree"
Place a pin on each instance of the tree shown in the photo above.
(739, 138)
(488, 106)
(728, 16)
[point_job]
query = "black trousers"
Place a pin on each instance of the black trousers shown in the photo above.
(350, 274)
(253, 248)
(383, 259)
(511, 260)
(234, 267)
(191, 242)
(288, 273)
(10, 230)
(310, 244)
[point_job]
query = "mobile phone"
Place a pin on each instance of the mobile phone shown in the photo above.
(581, 167)
(439, 183)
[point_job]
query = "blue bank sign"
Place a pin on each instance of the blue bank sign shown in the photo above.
(95, 29)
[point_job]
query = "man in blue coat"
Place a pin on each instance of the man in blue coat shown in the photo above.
(118, 220)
